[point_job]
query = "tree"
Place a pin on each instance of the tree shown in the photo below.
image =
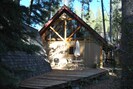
(13, 35)
(116, 21)
(96, 22)
(127, 44)
(10, 23)
(90, 19)
(98, 26)
(39, 11)
(85, 7)
(13, 17)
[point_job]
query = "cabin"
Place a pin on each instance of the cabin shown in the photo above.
(71, 43)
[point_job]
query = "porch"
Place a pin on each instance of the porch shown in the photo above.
(57, 79)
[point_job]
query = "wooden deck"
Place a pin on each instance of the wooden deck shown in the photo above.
(57, 79)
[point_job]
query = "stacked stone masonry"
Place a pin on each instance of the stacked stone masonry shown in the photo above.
(25, 65)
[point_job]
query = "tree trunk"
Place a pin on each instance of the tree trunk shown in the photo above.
(17, 2)
(30, 10)
(104, 29)
(127, 45)
(110, 21)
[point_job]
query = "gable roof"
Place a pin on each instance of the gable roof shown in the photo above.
(66, 10)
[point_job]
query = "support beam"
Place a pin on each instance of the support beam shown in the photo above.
(58, 23)
(74, 32)
(65, 29)
(57, 33)
(43, 38)
(101, 57)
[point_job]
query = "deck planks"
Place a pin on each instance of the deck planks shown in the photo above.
(60, 78)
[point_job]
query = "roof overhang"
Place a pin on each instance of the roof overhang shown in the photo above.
(66, 10)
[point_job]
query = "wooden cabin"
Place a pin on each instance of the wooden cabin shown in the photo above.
(59, 36)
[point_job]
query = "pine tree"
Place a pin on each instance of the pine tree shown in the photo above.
(127, 44)
(116, 21)
(98, 26)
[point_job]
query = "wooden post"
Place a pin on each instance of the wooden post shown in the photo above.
(101, 58)
(43, 38)
(59, 35)
(65, 30)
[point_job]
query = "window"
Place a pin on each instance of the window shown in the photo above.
(71, 50)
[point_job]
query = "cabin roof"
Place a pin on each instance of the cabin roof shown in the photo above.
(66, 10)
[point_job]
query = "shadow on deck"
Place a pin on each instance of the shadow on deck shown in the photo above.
(57, 79)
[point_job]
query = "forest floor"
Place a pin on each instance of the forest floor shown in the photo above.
(112, 81)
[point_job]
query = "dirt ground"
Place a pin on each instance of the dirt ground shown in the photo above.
(110, 83)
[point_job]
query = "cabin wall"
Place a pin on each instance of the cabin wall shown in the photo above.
(59, 53)
(60, 56)
(91, 54)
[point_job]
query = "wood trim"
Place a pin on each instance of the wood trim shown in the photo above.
(74, 32)
(57, 33)
(57, 27)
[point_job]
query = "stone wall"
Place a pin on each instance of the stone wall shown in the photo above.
(25, 65)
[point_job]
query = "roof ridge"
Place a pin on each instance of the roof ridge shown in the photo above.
(69, 12)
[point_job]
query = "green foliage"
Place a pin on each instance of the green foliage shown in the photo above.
(98, 26)
(96, 21)
(9, 24)
(40, 11)
(116, 20)
(85, 4)
(90, 18)
(13, 37)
